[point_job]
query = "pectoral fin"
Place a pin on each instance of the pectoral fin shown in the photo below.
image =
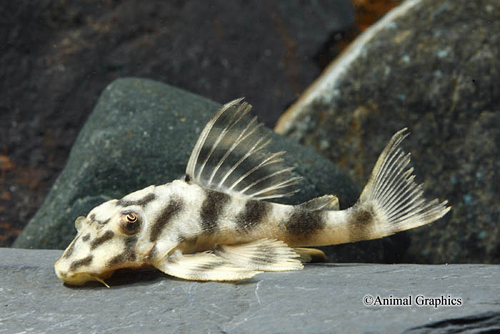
(203, 267)
(263, 254)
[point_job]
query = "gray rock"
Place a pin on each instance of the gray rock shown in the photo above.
(323, 298)
(431, 66)
(141, 133)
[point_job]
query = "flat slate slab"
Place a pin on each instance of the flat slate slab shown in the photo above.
(321, 298)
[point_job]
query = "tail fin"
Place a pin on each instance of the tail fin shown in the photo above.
(393, 197)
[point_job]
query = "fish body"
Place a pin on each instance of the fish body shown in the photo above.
(217, 223)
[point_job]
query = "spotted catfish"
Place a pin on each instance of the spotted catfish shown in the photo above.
(216, 225)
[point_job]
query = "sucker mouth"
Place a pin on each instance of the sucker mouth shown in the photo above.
(82, 278)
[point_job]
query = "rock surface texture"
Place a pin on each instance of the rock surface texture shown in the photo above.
(141, 133)
(431, 66)
(322, 298)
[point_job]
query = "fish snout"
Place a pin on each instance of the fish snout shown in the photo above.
(64, 273)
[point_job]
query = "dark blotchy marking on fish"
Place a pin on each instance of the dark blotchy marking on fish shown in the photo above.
(304, 223)
(143, 201)
(128, 253)
(108, 235)
(83, 262)
(360, 223)
(173, 208)
(212, 207)
(116, 260)
(209, 266)
(263, 259)
(86, 237)
(92, 217)
(255, 212)
(266, 255)
(71, 248)
(130, 243)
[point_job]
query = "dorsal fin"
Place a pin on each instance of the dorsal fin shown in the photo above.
(230, 156)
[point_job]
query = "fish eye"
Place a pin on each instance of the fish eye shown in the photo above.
(130, 222)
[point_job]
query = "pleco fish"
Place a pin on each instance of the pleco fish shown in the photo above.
(215, 225)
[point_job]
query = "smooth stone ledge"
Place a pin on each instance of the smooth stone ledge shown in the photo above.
(321, 298)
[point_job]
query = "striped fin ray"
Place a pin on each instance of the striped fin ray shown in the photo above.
(231, 156)
(394, 194)
(204, 266)
(263, 254)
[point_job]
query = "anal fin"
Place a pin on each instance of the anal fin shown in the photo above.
(204, 266)
(263, 254)
(310, 254)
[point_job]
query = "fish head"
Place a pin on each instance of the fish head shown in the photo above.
(107, 240)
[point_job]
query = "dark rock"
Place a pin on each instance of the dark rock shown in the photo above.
(141, 133)
(431, 66)
(322, 298)
(57, 57)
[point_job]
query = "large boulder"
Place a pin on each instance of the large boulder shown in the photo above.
(322, 298)
(141, 133)
(432, 66)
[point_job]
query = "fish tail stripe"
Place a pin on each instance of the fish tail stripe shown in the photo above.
(304, 224)
(361, 222)
(165, 217)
